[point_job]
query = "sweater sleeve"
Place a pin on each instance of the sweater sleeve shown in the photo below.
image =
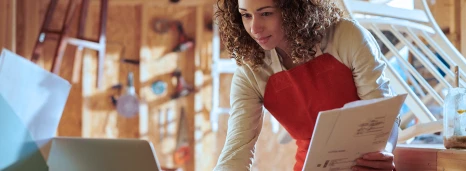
(359, 50)
(244, 125)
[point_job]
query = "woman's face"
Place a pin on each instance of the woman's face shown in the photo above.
(263, 21)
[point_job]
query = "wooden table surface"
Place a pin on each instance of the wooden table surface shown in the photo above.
(428, 157)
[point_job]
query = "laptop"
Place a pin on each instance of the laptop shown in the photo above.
(84, 154)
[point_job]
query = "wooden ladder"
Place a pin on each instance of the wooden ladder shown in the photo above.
(64, 38)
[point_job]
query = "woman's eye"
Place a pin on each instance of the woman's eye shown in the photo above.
(246, 15)
(266, 13)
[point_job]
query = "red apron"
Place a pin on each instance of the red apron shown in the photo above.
(295, 97)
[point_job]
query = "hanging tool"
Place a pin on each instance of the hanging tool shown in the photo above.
(127, 104)
(182, 153)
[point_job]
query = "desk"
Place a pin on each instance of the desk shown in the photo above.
(429, 157)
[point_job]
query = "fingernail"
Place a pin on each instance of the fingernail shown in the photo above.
(365, 156)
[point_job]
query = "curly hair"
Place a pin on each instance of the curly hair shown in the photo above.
(304, 24)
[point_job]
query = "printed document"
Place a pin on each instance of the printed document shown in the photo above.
(345, 134)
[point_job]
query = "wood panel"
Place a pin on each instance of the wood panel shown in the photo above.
(188, 69)
(3, 23)
(445, 14)
(454, 160)
(158, 62)
(12, 27)
(415, 158)
(29, 19)
(130, 38)
(8, 24)
(429, 157)
(100, 118)
(463, 27)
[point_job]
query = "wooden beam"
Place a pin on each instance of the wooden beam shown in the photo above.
(3, 22)
(13, 25)
(160, 2)
(29, 19)
(451, 160)
(188, 69)
(456, 23)
(429, 157)
(8, 24)
(416, 158)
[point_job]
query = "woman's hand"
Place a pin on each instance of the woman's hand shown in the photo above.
(380, 161)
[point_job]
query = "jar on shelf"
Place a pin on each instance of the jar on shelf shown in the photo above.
(454, 119)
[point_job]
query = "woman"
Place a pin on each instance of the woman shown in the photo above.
(296, 58)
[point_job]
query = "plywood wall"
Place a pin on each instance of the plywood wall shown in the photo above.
(450, 16)
(8, 24)
(158, 64)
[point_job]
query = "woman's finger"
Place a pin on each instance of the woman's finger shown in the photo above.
(380, 156)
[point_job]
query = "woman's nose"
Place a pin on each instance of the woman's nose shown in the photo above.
(256, 26)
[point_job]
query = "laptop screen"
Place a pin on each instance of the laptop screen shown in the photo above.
(81, 154)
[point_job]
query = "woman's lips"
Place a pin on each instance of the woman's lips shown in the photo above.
(263, 40)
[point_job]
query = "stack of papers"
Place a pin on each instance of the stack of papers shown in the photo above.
(343, 135)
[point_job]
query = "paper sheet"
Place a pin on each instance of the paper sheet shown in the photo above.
(343, 135)
(36, 96)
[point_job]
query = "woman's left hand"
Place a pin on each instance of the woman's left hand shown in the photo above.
(375, 161)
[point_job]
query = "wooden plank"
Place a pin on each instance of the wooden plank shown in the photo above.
(187, 66)
(12, 26)
(145, 119)
(20, 24)
(429, 157)
(100, 118)
(416, 159)
(3, 22)
(29, 21)
(454, 160)
(197, 62)
(157, 64)
(444, 14)
(6, 21)
(129, 36)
